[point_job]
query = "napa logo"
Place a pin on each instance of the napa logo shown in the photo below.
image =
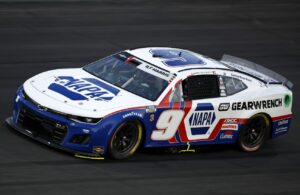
(83, 88)
(202, 118)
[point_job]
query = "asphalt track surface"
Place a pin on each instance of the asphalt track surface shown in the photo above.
(36, 37)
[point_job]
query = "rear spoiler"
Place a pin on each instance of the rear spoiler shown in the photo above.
(262, 73)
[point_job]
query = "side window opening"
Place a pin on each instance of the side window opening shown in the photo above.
(177, 94)
(233, 85)
(201, 86)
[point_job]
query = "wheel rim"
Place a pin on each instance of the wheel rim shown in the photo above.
(254, 133)
(125, 139)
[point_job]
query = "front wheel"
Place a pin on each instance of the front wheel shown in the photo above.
(125, 140)
(254, 133)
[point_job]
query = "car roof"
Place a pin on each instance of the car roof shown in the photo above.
(174, 59)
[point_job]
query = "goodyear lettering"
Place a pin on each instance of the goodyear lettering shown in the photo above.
(255, 105)
(132, 114)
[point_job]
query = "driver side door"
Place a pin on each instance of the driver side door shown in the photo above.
(191, 116)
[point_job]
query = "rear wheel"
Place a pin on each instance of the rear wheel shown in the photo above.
(254, 133)
(125, 140)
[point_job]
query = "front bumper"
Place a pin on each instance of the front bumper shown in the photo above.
(55, 130)
(28, 133)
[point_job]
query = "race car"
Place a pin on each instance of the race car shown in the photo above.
(153, 97)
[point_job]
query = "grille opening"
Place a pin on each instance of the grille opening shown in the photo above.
(80, 139)
(42, 127)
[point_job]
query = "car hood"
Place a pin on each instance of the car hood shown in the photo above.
(76, 92)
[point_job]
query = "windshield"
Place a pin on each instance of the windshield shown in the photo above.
(131, 74)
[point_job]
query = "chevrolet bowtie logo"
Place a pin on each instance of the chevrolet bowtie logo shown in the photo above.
(43, 108)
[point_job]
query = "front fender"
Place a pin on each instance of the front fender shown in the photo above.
(110, 123)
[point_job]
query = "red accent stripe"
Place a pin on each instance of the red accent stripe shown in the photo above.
(241, 120)
(176, 106)
(214, 134)
(166, 101)
(182, 130)
(216, 130)
(178, 82)
(173, 140)
(282, 117)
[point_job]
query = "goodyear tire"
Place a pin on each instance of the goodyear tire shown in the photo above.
(254, 133)
(125, 140)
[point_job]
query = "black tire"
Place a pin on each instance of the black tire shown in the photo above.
(254, 133)
(125, 140)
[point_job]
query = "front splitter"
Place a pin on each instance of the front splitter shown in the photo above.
(28, 133)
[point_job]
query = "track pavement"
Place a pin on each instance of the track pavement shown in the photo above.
(37, 36)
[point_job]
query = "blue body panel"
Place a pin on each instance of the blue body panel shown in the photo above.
(281, 127)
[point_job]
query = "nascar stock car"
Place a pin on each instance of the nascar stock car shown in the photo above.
(153, 97)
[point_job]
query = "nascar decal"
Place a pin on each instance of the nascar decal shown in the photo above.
(83, 88)
(174, 57)
(264, 104)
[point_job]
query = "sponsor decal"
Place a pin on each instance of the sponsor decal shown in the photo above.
(224, 106)
(287, 100)
(255, 105)
(83, 88)
(174, 57)
(230, 124)
(166, 74)
(283, 122)
(150, 109)
(151, 117)
(229, 127)
(281, 130)
(230, 121)
(202, 118)
(281, 126)
(132, 114)
(156, 71)
(226, 135)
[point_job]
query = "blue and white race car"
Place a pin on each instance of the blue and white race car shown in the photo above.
(153, 97)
